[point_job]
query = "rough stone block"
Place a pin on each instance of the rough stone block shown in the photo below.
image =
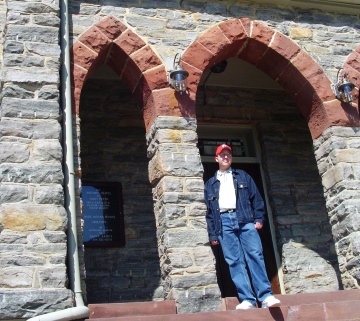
(31, 217)
(14, 152)
(47, 129)
(32, 172)
(53, 277)
(176, 238)
(26, 108)
(11, 237)
(192, 300)
(53, 194)
(27, 303)
(37, 76)
(47, 151)
(16, 277)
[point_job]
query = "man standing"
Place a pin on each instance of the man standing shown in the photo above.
(235, 211)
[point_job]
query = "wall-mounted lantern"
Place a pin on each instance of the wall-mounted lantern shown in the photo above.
(178, 76)
(343, 87)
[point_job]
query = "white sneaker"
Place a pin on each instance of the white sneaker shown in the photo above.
(245, 305)
(270, 301)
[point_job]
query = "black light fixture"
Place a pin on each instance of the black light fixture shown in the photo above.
(215, 69)
(343, 87)
(177, 76)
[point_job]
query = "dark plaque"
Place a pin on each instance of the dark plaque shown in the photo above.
(103, 214)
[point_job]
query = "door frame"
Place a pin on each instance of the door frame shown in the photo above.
(249, 134)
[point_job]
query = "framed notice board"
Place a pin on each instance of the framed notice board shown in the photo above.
(103, 214)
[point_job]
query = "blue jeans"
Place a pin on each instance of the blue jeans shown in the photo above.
(241, 245)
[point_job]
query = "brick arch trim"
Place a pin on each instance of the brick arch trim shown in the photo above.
(111, 42)
(281, 59)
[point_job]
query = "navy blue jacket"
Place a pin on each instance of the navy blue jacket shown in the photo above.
(249, 203)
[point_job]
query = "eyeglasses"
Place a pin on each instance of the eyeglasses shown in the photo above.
(223, 155)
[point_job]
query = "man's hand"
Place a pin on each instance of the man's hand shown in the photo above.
(258, 225)
(214, 242)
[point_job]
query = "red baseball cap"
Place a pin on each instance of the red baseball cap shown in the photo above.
(221, 148)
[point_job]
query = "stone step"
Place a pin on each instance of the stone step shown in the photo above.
(325, 306)
(305, 298)
(110, 310)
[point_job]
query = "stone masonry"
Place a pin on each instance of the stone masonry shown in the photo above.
(175, 168)
(337, 154)
(33, 220)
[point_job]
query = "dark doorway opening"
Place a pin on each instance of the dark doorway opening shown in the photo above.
(225, 283)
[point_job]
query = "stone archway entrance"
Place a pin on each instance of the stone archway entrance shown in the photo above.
(283, 61)
(186, 269)
(175, 169)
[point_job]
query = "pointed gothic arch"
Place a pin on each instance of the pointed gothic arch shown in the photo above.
(111, 42)
(281, 59)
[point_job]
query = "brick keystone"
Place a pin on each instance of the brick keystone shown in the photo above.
(261, 33)
(253, 51)
(233, 30)
(111, 27)
(129, 42)
(246, 23)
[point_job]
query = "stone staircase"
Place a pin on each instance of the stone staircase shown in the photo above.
(324, 306)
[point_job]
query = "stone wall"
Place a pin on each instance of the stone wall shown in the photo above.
(186, 262)
(33, 220)
(31, 153)
(3, 8)
(337, 154)
(171, 26)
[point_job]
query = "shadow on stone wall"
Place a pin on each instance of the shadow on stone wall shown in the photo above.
(113, 149)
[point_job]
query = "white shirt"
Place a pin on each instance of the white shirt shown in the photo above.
(227, 197)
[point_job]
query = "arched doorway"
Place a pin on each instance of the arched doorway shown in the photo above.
(309, 91)
(114, 74)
